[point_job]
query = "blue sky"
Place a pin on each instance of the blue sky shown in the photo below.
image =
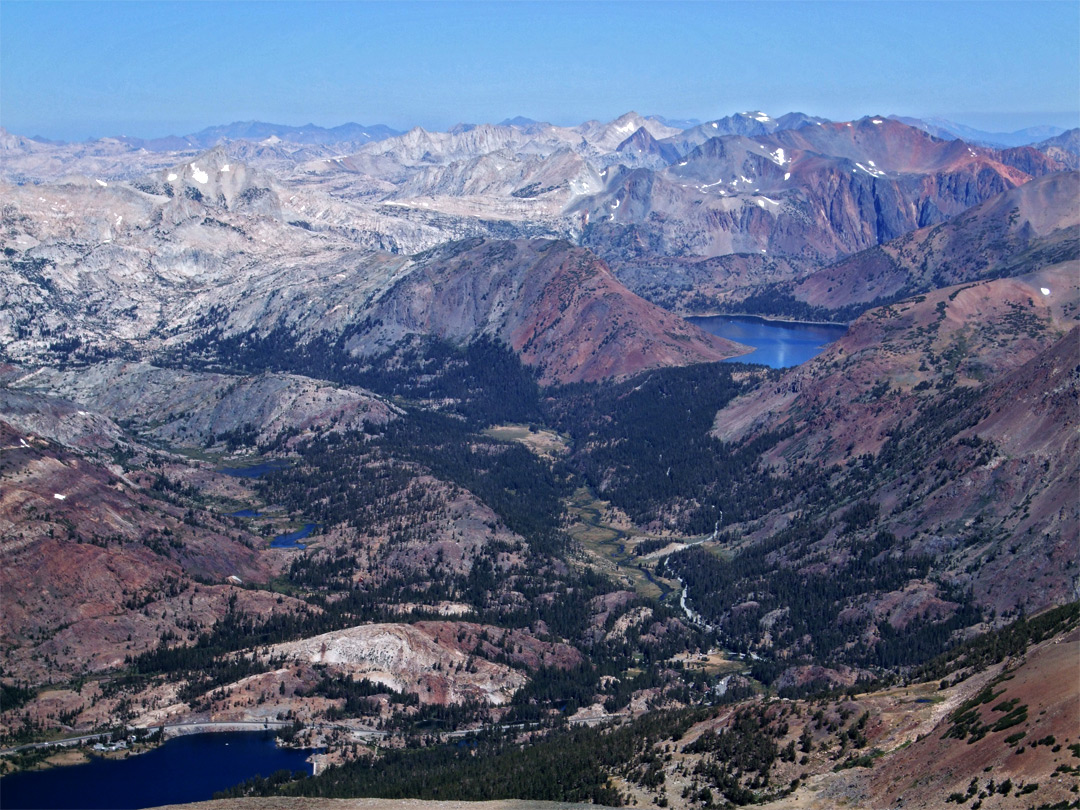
(79, 70)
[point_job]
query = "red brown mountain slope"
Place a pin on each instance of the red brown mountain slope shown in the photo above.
(1037, 695)
(96, 567)
(556, 305)
(958, 410)
(1032, 225)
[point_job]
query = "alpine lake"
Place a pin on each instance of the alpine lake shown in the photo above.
(184, 769)
(778, 344)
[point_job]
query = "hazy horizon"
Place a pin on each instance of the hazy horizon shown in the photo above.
(1026, 122)
(73, 71)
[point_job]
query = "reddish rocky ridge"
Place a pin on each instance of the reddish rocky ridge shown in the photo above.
(1018, 231)
(559, 307)
(814, 194)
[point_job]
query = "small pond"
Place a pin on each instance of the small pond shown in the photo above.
(256, 470)
(289, 540)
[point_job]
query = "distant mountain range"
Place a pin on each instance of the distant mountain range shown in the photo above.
(743, 123)
(257, 131)
(688, 218)
(950, 130)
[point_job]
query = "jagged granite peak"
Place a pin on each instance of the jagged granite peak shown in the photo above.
(643, 149)
(593, 138)
(217, 177)
(752, 124)
(421, 146)
(607, 136)
(1064, 148)
(211, 180)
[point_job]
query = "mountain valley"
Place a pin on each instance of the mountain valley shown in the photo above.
(381, 439)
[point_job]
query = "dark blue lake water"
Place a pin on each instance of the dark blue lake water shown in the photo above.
(185, 769)
(289, 540)
(779, 344)
(255, 470)
(244, 513)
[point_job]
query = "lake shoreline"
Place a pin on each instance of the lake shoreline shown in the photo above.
(154, 776)
(767, 319)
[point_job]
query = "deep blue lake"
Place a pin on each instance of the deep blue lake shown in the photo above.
(289, 540)
(779, 344)
(185, 769)
(255, 470)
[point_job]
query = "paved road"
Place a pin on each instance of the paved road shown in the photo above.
(257, 725)
(179, 729)
(176, 729)
(64, 743)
